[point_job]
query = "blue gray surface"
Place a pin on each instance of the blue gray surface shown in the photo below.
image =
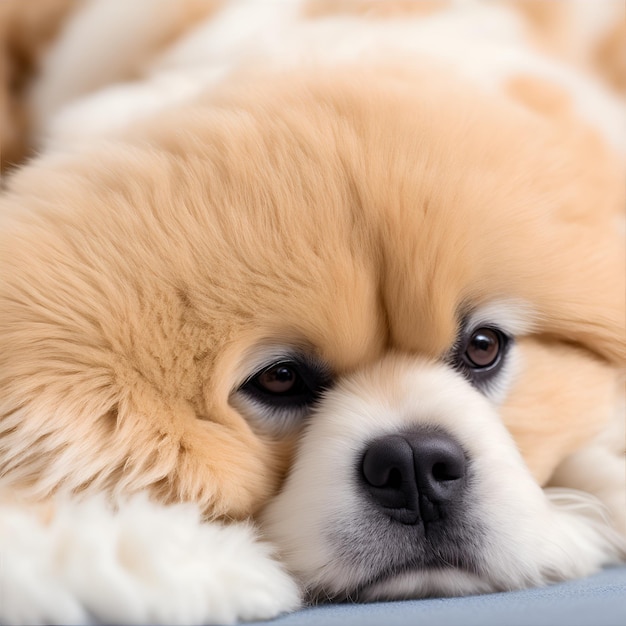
(599, 600)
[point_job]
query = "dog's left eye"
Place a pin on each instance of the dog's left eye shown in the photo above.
(483, 348)
(481, 354)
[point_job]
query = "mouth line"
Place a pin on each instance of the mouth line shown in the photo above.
(355, 594)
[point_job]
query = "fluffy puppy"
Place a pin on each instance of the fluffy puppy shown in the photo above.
(375, 302)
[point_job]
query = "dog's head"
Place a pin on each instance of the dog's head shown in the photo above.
(418, 289)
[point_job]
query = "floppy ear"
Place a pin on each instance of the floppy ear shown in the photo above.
(579, 257)
(584, 299)
(584, 222)
(92, 367)
(67, 422)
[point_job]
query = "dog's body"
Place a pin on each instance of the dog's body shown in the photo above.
(392, 231)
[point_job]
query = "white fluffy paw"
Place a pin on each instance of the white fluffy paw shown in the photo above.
(143, 564)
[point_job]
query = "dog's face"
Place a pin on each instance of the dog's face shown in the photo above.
(412, 286)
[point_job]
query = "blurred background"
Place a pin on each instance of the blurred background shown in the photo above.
(28, 28)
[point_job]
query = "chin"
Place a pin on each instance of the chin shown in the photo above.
(359, 321)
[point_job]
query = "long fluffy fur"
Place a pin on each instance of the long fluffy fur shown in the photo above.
(81, 562)
(223, 182)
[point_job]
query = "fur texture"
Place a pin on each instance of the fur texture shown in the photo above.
(349, 190)
(143, 564)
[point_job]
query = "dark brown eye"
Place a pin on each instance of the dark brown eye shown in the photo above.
(283, 392)
(483, 348)
(289, 383)
(279, 379)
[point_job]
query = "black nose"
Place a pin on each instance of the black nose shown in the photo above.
(415, 475)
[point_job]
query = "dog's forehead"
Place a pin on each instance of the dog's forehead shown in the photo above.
(357, 217)
(366, 214)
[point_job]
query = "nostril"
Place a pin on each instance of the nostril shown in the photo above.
(440, 465)
(394, 481)
(443, 472)
(387, 461)
(388, 475)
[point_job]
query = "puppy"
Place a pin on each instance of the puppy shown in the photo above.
(349, 269)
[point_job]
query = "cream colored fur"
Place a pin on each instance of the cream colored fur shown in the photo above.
(220, 187)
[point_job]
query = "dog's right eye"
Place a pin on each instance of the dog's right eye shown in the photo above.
(283, 383)
(279, 379)
(281, 393)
